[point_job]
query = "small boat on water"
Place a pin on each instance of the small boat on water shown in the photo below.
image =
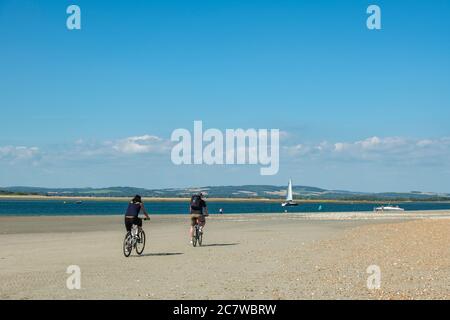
(388, 209)
(289, 199)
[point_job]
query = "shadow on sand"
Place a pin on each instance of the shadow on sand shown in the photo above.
(158, 254)
(219, 244)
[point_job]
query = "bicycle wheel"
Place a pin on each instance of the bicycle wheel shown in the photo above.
(127, 246)
(194, 237)
(200, 238)
(140, 242)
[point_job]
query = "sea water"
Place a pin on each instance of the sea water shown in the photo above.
(59, 207)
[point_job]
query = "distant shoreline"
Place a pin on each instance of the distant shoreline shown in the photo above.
(173, 199)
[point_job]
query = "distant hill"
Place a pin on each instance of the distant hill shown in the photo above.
(245, 191)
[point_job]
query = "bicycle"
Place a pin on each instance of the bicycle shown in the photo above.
(198, 235)
(134, 239)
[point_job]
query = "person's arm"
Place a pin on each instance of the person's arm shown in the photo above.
(206, 210)
(145, 211)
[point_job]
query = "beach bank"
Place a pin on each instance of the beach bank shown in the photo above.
(252, 256)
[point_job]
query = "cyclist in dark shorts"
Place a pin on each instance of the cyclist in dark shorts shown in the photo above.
(197, 206)
(132, 214)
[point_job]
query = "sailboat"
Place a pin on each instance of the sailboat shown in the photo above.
(289, 200)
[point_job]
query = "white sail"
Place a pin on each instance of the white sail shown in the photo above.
(289, 191)
(289, 199)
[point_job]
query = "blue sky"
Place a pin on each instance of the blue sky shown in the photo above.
(310, 68)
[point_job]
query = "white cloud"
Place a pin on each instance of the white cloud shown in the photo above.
(374, 144)
(18, 153)
(339, 146)
(140, 144)
(145, 144)
(390, 150)
(377, 149)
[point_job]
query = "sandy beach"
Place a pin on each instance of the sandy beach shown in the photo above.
(270, 256)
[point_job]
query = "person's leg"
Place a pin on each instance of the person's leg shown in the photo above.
(128, 224)
(202, 222)
(193, 222)
(138, 222)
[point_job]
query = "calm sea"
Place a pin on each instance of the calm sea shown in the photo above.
(58, 207)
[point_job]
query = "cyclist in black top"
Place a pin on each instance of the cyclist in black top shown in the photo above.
(132, 214)
(198, 211)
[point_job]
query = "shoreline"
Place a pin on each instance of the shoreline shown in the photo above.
(233, 200)
(331, 215)
(263, 216)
